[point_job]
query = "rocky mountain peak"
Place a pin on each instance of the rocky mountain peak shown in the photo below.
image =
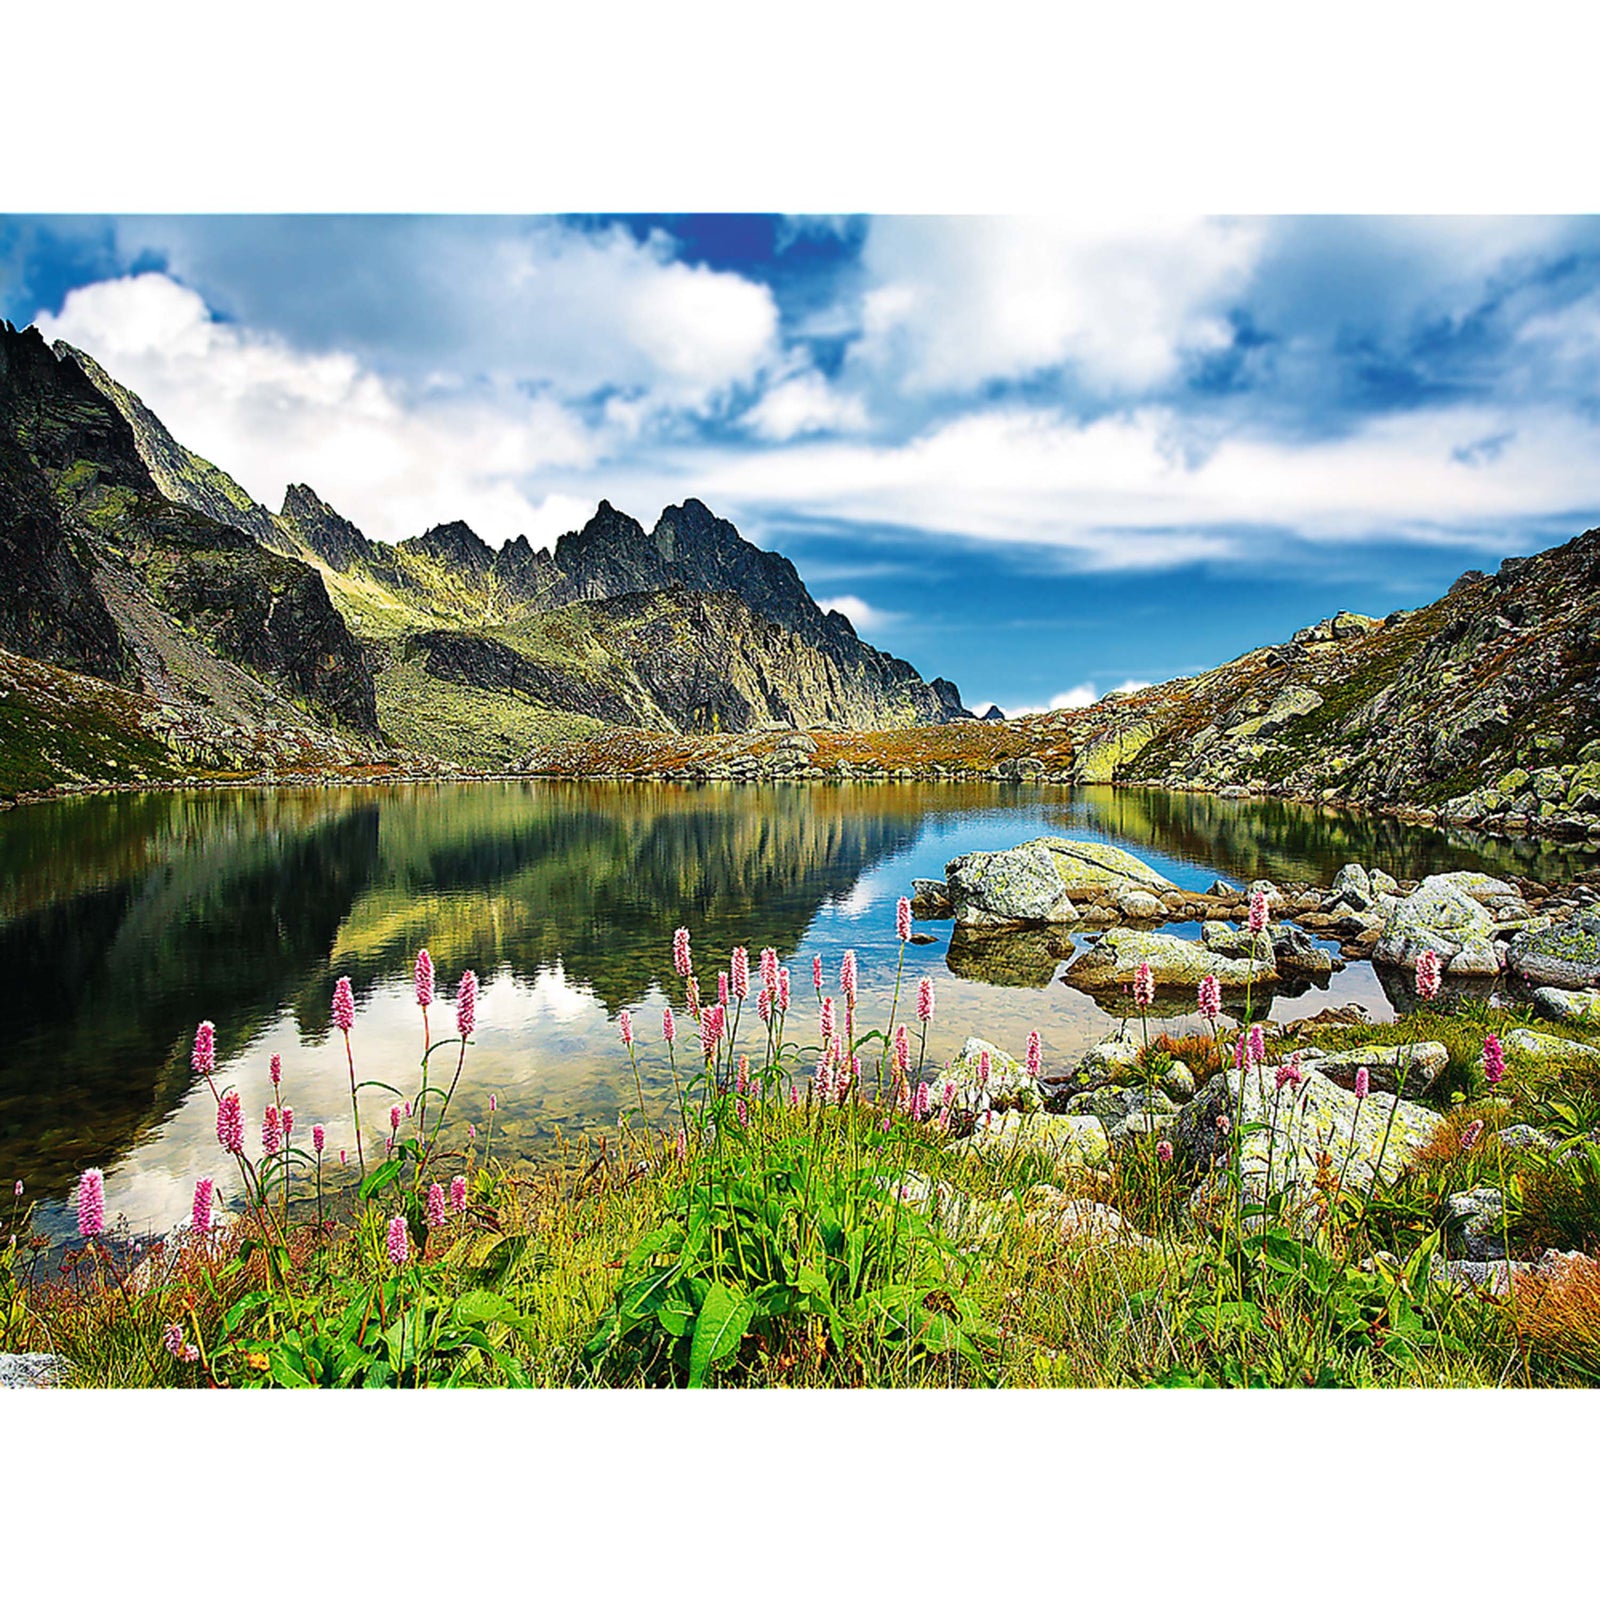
(329, 537)
(454, 544)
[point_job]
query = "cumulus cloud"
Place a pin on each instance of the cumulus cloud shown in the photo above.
(1073, 699)
(803, 404)
(951, 303)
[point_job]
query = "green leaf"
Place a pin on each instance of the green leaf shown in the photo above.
(378, 1179)
(717, 1330)
(479, 1305)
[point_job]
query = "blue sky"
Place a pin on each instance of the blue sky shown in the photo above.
(1045, 457)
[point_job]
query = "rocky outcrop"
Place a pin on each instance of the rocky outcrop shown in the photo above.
(1566, 956)
(994, 888)
(1174, 963)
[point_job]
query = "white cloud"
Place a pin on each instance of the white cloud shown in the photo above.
(864, 618)
(953, 302)
(805, 403)
(1073, 699)
(270, 415)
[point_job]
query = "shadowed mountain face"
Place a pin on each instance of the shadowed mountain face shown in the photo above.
(107, 577)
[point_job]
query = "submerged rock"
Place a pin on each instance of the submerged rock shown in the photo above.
(1014, 958)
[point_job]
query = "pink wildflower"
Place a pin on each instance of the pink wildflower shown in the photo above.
(711, 1028)
(1209, 997)
(823, 1077)
(436, 1205)
(741, 972)
(764, 1005)
(794, 1096)
(458, 1193)
(769, 968)
(669, 1028)
(399, 1241)
(1428, 975)
(950, 1092)
(344, 1158)
(1035, 1054)
(271, 1131)
(1256, 1045)
(1164, 1150)
(1258, 911)
(681, 962)
(18, 1190)
(783, 990)
(902, 919)
(1239, 1053)
(1224, 1123)
(494, 1104)
(1363, 1083)
(467, 1003)
(1471, 1134)
(1144, 987)
(902, 1049)
(319, 1137)
(742, 1077)
(925, 1000)
(92, 1203)
(722, 990)
(204, 1055)
(201, 1218)
(816, 973)
(743, 1111)
(1289, 1071)
(1494, 1059)
(275, 1070)
(394, 1118)
(828, 1025)
(422, 979)
(288, 1122)
(983, 1068)
(230, 1123)
(625, 1026)
(921, 1102)
(847, 977)
(691, 996)
(681, 1145)
(173, 1339)
(344, 1006)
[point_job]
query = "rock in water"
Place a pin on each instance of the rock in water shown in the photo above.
(992, 888)
(1173, 962)
(1440, 916)
(1295, 1127)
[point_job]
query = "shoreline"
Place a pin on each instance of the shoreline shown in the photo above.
(1494, 827)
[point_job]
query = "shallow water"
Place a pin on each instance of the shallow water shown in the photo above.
(125, 919)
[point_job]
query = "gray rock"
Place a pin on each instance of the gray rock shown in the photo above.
(1008, 1086)
(1111, 1059)
(1080, 1221)
(1474, 1222)
(1352, 885)
(1291, 1127)
(1547, 1047)
(1567, 1005)
(1565, 956)
(1141, 906)
(1478, 958)
(1420, 1064)
(1439, 916)
(990, 888)
(1382, 883)
(1178, 1082)
(32, 1370)
(1221, 889)
(1520, 1136)
(1068, 1143)
(1174, 963)
(1294, 954)
(930, 900)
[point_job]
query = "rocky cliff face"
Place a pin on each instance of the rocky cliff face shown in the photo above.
(109, 577)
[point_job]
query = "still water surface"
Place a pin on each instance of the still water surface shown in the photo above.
(126, 919)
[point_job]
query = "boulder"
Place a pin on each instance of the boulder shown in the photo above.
(1110, 1060)
(1174, 963)
(32, 1369)
(930, 900)
(1099, 759)
(1352, 886)
(995, 888)
(1568, 1005)
(1066, 1142)
(1141, 906)
(1295, 955)
(1478, 958)
(1565, 956)
(1294, 1126)
(1419, 1065)
(1090, 867)
(1474, 1224)
(1007, 1088)
(1178, 1081)
(1547, 1047)
(1439, 916)
(1133, 1112)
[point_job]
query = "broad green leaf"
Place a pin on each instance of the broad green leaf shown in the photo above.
(717, 1330)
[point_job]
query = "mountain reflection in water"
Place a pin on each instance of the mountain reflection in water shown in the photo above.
(125, 919)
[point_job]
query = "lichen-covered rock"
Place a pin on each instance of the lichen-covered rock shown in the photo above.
(1547, 1047)
(1417, 1064)
(1141, 906)
(1068, 1143)
(1132, 1112)
(1567, 1005)
(1109, 1060)
(1439, 916)
(1474, 1222)
(1174, 963)
(930, 900)
(994, 888)
(1092, 867)
(1291, 1127)
(1099, 760)
(1478, 958)
(1178, 1082)
(1565, 956)
(1006, 1088)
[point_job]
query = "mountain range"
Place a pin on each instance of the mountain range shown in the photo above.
(158, 619)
